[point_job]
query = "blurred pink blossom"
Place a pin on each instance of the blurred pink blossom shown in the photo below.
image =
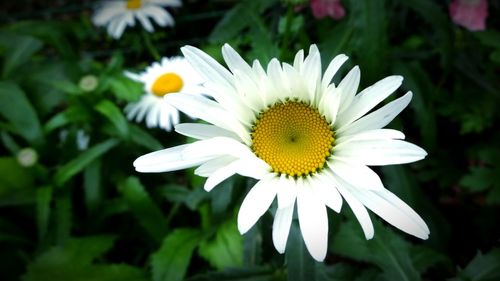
(469, 13)
(331, 8)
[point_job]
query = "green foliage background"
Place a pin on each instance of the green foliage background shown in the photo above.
(85, 214)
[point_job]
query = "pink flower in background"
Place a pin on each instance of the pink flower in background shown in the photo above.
(331, 8)
(469, 13)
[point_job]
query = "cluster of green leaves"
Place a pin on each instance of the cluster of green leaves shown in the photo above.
(80, 212)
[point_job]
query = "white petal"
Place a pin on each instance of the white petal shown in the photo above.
(145, 22)
(209, 167)
(332, 69)
(311, 71)
(379, 118)
(380, 152)
(281, 227)
(250, 91)
(107, 12)
(252, 167)
(287, 191)
(234, 61)
(277, 80)
(297, 88)
(355, 174)
(207, 67)
(376, 134)
(357, 208)
(391, 213)
(256, 203)
(208, 110)
(330, 102)
(166, 160)
(398, 203)
(313, 221)
(325, 189)
(159, 15)
(220, 175)
(217, 146)
(203, 131)
(348, 87)
(369, 98)
(299, 60)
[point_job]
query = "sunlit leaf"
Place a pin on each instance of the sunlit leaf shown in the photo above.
(171, 261)
(226, 249)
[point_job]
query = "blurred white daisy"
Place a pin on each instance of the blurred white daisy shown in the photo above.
(117, 15)
(304, 139)
(170, 75)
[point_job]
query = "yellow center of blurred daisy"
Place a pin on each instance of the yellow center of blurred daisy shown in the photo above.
(293, 138)
(167, 83)
(133, 4)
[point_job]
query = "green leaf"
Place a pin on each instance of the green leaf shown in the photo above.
(337, 272)
(12, 176)
(264, 48)
(239, 274)
(386, 250)
(495, 56)
(171, 261)
(125, 88)
(64, 219)
(143, 138)
(489, 38)
(19, 49)
(16, 108)
(300, 264)
(252, 248)
(226, 250)
(482, 268)
(478, 179)
(74, 261)
(75, 166)
(43, 200)
(237, 19)
(372, 24)
(50, 32)
(417, 81)
(144, 209)
(114, 115)
(92, 186)
(424, 258)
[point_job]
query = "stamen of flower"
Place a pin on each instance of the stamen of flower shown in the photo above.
(167, 83)
(293, 138)
(133, 4)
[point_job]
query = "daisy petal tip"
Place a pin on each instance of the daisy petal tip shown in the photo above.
(242, 227)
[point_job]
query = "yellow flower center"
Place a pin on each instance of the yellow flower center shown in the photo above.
(167, 83)
(293, 138)
(133, 4)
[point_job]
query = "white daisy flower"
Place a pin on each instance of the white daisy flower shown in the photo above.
(170, 75)
(117, 15)
(304, 139)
